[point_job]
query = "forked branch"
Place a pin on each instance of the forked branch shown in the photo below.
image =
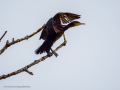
(18, 40)
(33, 63)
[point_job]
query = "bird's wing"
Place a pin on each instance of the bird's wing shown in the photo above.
(65, 17)
(57, 27)
(48, 30)
(54, 24)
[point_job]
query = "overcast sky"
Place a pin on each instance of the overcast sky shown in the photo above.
(89, 61)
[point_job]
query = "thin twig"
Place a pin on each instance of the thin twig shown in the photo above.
(19, 40)
(33, 63)
(3, 36)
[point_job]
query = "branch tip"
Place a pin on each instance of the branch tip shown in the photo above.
(3, 36)
(7, 42)
(29, 72)
(13, 40)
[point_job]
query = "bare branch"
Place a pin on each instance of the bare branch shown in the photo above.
(3, 36)
(19, 40)
(33, 63)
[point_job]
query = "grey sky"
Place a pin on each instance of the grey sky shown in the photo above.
(89, 61)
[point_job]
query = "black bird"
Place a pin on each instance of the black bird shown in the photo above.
(53, 30)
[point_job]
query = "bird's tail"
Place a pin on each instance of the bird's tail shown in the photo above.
(44, 47)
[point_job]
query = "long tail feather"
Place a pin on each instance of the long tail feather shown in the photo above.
(44, 47)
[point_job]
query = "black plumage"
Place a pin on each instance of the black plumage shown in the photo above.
(54, 29)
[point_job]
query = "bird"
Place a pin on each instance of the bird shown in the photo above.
(54, 29)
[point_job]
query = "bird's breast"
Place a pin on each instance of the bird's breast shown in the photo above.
(58, 35)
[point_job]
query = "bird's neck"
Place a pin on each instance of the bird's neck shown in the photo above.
(68, 26)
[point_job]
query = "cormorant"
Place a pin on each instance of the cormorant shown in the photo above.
(53, 30)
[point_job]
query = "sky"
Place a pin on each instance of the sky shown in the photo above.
(89, 61)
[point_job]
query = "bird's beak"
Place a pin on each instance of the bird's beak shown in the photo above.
(82, 23)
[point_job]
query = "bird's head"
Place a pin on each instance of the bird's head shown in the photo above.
(75, 23)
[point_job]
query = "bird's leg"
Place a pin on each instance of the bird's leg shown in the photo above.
(49, 53)
(64, 37)
(65, 41)
(54, 52)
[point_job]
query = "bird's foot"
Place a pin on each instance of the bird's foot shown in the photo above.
(55, 54)
(49, 54)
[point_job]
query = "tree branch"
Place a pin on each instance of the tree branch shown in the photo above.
(18, 40)
(33, 63)
(3, 36)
